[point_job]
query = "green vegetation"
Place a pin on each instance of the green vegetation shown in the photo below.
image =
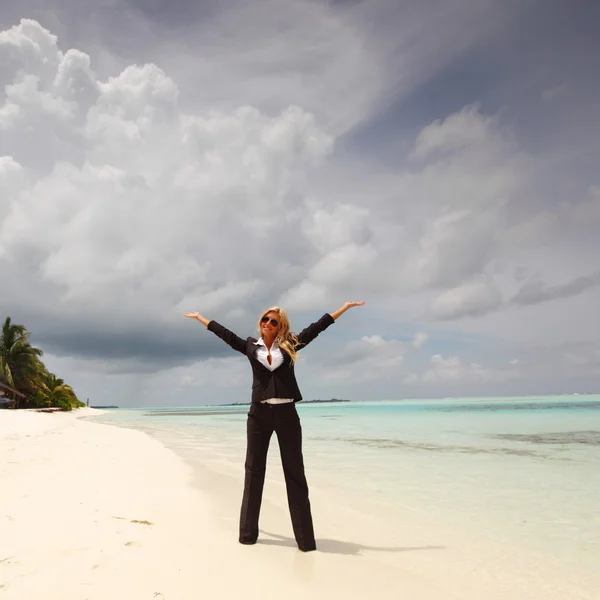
(22, 369)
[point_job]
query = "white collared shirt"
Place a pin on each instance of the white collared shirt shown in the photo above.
(262, 353)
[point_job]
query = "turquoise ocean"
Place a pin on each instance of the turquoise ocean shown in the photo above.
(521, 471)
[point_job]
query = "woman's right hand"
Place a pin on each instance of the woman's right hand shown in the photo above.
(197, 316)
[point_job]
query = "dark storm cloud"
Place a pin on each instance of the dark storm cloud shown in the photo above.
(535, 292)
(154, 346)
(146, 339)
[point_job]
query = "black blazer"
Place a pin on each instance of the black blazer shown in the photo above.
(280, 383)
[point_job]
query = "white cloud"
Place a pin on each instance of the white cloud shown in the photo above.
(226, 295)
(342, 225)
(338, 269)
(555, 92)
(26, 93)
(465, 129)
(10, 169)
(419, 339)
(29, 47)
(470, 299)
(454, 372)
(451, 368)
(370, 358)
(154, 188)
(9, 115)
(441, 225)
(131, 107)
(231, 372)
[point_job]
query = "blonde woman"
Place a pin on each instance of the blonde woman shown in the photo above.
(274, 394)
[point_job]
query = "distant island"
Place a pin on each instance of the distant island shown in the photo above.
(303, 402)
(322, 401)
(107, 406)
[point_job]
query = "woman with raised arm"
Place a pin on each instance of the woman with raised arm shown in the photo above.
(274, 394)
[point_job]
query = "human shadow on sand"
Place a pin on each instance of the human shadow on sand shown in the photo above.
(328, 546)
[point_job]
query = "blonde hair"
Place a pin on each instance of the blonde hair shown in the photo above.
(286, 339)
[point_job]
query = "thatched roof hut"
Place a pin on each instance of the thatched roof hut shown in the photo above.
(9, 396)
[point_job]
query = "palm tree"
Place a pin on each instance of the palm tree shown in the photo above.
(54, 392)
(20, 364)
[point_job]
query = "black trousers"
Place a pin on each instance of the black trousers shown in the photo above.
(263, 420)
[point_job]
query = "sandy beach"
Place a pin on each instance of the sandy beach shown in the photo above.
(91, 511)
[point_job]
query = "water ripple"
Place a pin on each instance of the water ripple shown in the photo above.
(387, 443)
(591, 438)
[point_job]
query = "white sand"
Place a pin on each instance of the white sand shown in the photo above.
(94, 512)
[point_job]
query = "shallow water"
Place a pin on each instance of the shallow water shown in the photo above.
(522, 471)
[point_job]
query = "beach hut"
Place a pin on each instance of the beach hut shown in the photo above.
(9, 397)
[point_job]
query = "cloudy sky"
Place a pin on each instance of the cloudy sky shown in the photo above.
(438, 159)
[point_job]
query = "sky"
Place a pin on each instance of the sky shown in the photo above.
(437, 159)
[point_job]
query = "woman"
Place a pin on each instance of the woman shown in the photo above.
(274, 394)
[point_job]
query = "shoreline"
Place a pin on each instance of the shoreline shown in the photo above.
(91, 511)
(95, 511)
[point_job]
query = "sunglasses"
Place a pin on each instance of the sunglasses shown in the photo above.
(266, 319)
